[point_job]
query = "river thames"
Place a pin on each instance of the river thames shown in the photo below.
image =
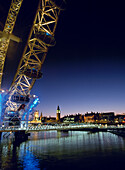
(48, 150)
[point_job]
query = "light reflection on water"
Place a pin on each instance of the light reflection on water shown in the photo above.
(59, 150)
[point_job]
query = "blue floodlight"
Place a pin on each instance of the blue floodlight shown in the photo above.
(34, 102)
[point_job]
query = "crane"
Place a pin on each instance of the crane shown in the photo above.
(41, 38)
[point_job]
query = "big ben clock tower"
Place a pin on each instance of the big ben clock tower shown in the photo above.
(58, 114)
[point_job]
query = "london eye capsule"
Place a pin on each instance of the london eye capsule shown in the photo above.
(32, 73)
(20, 98)
(48, 39)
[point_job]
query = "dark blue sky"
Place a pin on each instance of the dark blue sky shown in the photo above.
(85, 71)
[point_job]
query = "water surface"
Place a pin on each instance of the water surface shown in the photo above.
(49, 150)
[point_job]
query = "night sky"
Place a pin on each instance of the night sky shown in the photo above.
(85, 71)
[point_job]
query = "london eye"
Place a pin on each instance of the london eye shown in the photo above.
(17, 103)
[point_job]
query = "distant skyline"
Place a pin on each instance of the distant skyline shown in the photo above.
(85, 71)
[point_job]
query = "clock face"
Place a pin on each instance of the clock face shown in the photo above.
(58, 111)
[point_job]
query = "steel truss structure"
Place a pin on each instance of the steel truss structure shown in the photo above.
(7, 31)
(41, 37)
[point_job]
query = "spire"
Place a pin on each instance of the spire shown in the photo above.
(58, 107)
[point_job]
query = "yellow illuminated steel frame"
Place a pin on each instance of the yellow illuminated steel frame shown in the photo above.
(36, 49)
(8, 28)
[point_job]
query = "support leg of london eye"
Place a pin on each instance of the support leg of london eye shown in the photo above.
(20, 116)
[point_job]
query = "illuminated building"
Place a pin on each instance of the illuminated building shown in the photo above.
(106, 117)
(89, 117)
(36, 115)
(36, 119)
(48, 120)
(58, 114)
(119, 118)
(77, 118)
(69, 119)
(41, 116)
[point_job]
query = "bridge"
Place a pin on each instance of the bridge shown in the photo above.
(63, 128)
(22, 133)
